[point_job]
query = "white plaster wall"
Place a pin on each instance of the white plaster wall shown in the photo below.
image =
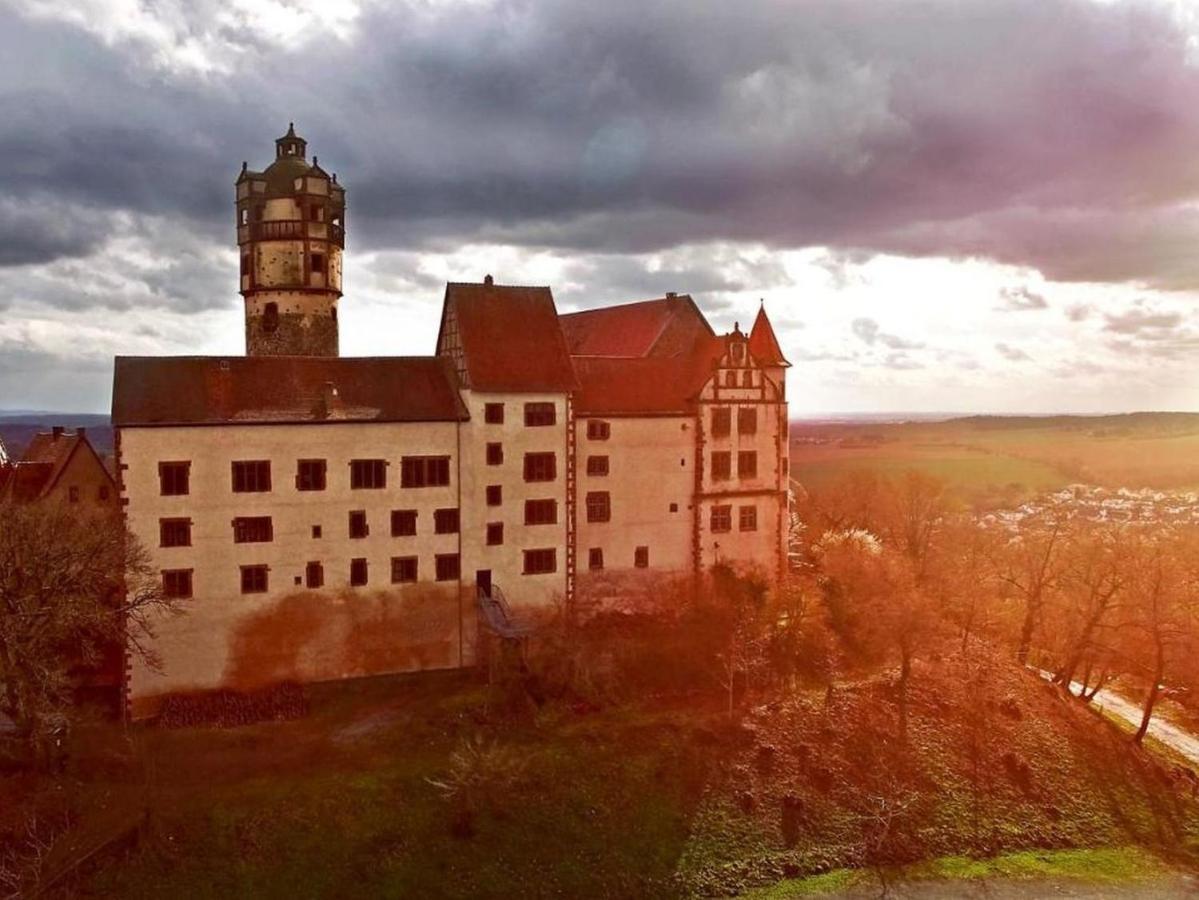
(197, 647)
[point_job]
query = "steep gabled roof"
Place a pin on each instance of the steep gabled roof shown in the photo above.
(665, 327)
(45, 459)
(650, 385)
(763, 344)
(511, 339)
(205, 390)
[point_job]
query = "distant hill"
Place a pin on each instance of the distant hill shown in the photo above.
(17, 429)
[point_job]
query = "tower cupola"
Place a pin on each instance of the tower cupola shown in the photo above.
(291, 233)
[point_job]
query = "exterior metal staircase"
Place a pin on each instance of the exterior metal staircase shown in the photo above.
(497, 615)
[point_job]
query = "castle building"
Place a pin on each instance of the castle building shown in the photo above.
(322, 517)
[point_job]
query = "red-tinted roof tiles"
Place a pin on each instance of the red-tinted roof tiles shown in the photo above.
(669, 326)
(190, 390)
(511, 339)
(763, 344)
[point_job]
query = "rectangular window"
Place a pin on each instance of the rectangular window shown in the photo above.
(251, 476)
(540, 467)
(541, 512)
(722, 519)
(445, 521)
(495, 534)
(173, 478)
(597, 465)
(747, 420)
(598, 430)
(316, 531)
(368, 474)
(538, 414)
(721, 465)
(403, 522)
(747, 464)
(493, 414)
(253, 579)
(447, 566)
(495, 494)
(314, 575)
(595, 558)
(495, 454)
(722, 421)
(310, 475)
(174, 532)
(318, 262)
(358, 526)
(424, 471)
(641, 557)
(252, 530)
(358, 572)
(403, 569)
(599, 506)
(541, 562)
(177, 584)
(748, 518)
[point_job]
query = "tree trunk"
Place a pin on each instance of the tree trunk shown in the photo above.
(1026, 630)
(1151, 697)
(905, 674)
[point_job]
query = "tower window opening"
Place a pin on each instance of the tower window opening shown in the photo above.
(270, 317)
(318, 262)
(316, 213)
(245, 216)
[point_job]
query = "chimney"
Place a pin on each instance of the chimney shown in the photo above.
(80, 431)
(328, 402)
(56, 432)
(487, 279)
(670, 295)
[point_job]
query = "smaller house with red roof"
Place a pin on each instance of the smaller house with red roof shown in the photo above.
(60, 466)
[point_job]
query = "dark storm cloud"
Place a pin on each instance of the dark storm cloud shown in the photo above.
(1057, 134)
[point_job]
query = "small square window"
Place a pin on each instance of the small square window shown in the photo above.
(495, 495)
(597, 465)
(495, 534)
(493, 413)
(173, 478)
(253, 579)
(316, 531)
(495, 454)
(540, 467)
(174, 532)
(595, 558)
(541, 512)
(447, 566)
(358, 572)
(403, 569)
(674, 507)
(598, 430)
(177, 584)
(641, 557)
(251, 476)
(310, 475)
(445, 521)
(358, 525)
(403, 522)
(314, 575)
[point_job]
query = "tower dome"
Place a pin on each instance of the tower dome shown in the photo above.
(291, 233)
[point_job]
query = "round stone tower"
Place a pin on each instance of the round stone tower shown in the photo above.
(291, 233)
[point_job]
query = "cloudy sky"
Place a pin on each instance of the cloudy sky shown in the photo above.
(946, 205)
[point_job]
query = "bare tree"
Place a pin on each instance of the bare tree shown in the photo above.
(1030, 564)
(70, 586)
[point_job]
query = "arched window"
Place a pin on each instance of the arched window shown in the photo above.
(270, 317)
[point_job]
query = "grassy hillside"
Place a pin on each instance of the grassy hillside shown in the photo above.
(659, 800)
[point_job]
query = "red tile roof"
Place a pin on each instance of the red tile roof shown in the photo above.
(668, 326)
(651, 385)
(45, 459)
(763, 344)
(204, 390)
(510, 336)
